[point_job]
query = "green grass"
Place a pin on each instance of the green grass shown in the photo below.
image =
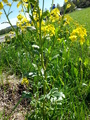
(83, 18)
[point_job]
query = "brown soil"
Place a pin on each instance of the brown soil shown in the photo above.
(10, 94)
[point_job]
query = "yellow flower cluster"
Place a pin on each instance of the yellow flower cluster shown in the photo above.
(68, 5)
(48, 30)
(67, 19)
(25, 81)
(1, 5)
(78, 33)
(20, 17)
(25, 3)
(6, 2)
(36, 15)
(22, 22)
(55, 15)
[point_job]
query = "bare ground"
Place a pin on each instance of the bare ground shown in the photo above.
(10, 94)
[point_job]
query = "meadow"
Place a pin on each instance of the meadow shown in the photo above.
(52, 63)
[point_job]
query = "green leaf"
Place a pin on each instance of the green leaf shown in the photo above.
(54, 90)
(26, 94)
(56, 94)
(61, 81)
(75, 71)
(42, 98)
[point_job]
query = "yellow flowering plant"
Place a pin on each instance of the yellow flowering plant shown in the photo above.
(25, 81)
(46, 38)
(78, 33)
(68, 5)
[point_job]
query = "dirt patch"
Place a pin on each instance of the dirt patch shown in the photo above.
(10, 93)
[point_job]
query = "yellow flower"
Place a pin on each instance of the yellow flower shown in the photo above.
(28, 24)
(80, 33)
(24, 20)
(1, 5)
(9, 4)
(0, 14)
(55, 15)
(19, 3)
(20, 17)
(12, 32)
(58, 39)
(67, 19)
(23, 28)
(25, 5)
(73, 37)
(25, 81)
(19, 24)
(74, 32)
(65, 1)
(5, 1)
(25, 0)
(68, 5)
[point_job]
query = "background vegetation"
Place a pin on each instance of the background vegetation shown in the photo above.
(75, 4)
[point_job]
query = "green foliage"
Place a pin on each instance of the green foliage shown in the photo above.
(82, 3)
(74, 5)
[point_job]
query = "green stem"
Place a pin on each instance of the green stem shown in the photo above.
(42, 61)
(10, 22)
(81, 67)
(43, 7)
(52, 4)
